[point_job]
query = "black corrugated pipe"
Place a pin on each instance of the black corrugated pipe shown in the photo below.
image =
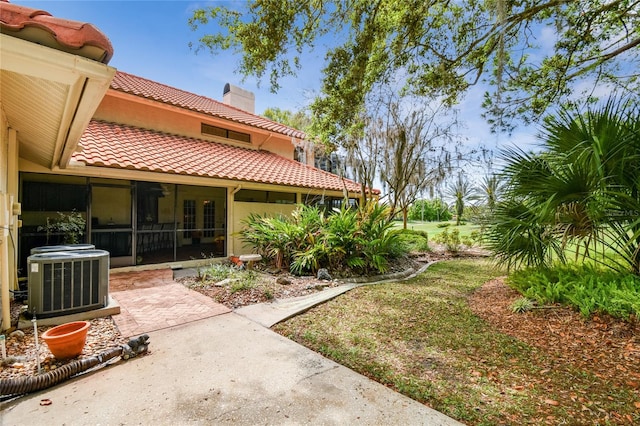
(24, 385)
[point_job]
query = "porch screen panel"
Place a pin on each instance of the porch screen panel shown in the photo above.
(55, 197)
(189, 217)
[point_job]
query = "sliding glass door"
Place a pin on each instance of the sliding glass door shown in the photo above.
(111, 221)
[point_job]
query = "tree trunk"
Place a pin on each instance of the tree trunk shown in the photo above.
(404, 218)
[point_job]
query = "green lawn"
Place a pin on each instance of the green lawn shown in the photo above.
(421, 338)
(434, 228)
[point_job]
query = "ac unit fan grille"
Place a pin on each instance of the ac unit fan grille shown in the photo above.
(70, 285)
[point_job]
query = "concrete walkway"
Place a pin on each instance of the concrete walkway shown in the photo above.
(222, 369)
(269, 313)
(273, 312)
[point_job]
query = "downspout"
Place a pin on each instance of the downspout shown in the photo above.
(14, 205)
(4, 263)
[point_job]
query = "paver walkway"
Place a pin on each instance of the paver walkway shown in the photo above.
(144, 307)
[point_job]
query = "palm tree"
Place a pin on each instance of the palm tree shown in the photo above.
(460, 190)
(582, 189)
(489, 191)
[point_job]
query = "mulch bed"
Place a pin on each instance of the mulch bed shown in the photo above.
(21, 349)
(283, 285)
(601, 345)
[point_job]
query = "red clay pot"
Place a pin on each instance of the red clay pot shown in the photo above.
(67, 340)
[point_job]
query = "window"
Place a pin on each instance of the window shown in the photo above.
(251, 196)
(332, 163)
(329, 204)
(209, 209)
(189, 219)
(298, 155)
(207, 129)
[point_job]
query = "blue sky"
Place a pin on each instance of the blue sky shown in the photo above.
(151, 40)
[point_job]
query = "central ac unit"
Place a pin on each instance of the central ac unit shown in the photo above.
(67, 282)
(65, 247)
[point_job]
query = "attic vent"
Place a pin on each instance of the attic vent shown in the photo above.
(208, 129)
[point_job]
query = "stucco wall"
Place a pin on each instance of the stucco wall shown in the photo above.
(242, 210)
(176, 121)
(4, 255)
(9, 209)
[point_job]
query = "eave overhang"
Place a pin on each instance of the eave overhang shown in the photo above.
(49, 97)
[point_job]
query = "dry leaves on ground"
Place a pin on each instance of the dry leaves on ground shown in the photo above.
(603, 346)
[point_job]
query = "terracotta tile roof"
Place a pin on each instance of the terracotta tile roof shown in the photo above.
(126, 147)
(61, 34)
(149, 89)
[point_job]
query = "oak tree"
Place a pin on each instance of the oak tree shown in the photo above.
(531, 54)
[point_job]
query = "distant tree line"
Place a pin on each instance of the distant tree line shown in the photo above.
(429, 211)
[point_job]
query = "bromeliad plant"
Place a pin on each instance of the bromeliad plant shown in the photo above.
(352, 240)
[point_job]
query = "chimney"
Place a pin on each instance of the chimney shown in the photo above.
(239, 98)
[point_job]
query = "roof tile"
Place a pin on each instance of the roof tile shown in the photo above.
(126, 147)
(149, 89)
(70, 35)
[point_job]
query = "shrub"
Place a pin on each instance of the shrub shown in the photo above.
(450, 239)
(378, 241)
(588, 289)
(429, 210)
(467, 240)
(272, 237)
(476, 236)
(414, 241)
(352, 240)
(70, 225)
